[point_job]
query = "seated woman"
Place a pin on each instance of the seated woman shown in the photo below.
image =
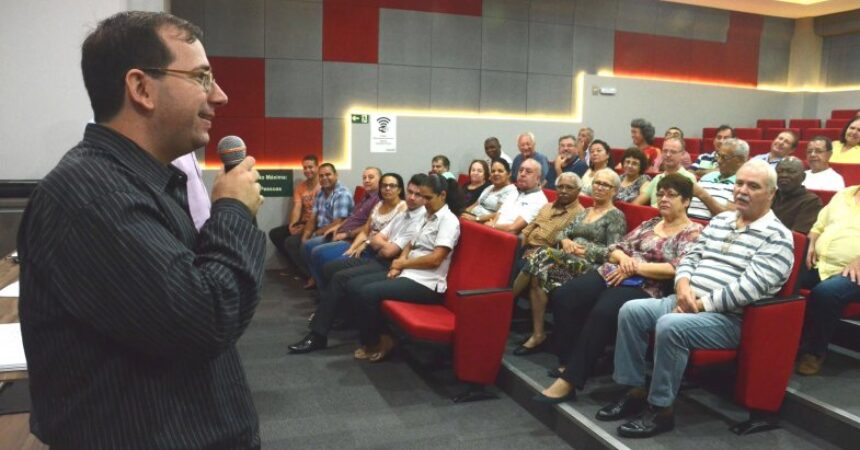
(582, 245)
(641, 265)
(847, 148)
(493, 197)
(479, 179)
(418, 275)
(634, 162)
(600, 159)
(391, 193)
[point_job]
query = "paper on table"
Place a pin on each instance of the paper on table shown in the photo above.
(10, 291)
(11, 348)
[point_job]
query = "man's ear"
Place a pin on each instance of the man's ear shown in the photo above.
(140, 89)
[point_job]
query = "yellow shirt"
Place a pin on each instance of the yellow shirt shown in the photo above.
(838, 226)
(850, 156)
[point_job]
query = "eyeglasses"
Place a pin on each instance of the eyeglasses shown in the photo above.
(601, 184)
(671, 152)
(204, 78)
(721, 157)
(815, 151)
(388, 186)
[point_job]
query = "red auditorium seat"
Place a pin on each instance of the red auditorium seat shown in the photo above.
(825, 196)
(692, 145)
(709, 133)
(804, 123)
(748, 133)
(832, 133)
(658, 142)
(772, 133)
(758, 146)
(770, 123)
(476, 314)
(586, 201)
(359, 194)
(770, 336)
(615, 154)
(850, 172)
(551, 195)
(636, 214)
(843, 113)
(463, 179)
(836, 123)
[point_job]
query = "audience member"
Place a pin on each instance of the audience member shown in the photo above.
(552, 217)
(526, 145)
(634, 163)
(796, 207)
(479, 179)
(585, 309)
(129, 315)
(580, 247)
(442, 165)
(676, 133)
(567, 160)
(673, 148)
(707, 161)
(642, 135)
(303, 205)
(743, 256)
(820, 176)
(379, 250)
(834, 260)
(601, 159)
(493, 197)
(517, 212)
(783, 145)
(332, 205)
(847, 149)
(418, 275)
(493, 149)
(583, 143)
(713, 193)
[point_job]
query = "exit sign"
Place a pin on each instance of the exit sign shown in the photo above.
(360, 118)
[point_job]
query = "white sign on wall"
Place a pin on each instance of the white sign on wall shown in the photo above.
(383, 133)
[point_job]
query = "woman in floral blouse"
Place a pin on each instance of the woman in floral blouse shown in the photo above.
(641, 265)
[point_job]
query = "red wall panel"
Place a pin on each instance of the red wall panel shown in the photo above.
(351, 31)
(250, 129)
(289, 140)
(462, 7)
(244, 81)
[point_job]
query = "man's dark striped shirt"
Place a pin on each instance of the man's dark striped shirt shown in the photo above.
(129, 315)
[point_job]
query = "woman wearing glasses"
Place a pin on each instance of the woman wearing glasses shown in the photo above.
(641, 265)
(599, 159)
(581, 246)
(635, 163)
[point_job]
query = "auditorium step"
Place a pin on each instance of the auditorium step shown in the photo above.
(703, 415)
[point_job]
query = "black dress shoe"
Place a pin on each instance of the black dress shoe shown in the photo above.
(522, 350)
(625, 407)
(309, 343)
(554, 373)
(650, 423)
(540, 398)
(339, 324)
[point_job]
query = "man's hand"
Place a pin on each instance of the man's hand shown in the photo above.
(241, 184)
(393, 273)
(296, 228)
(340, 236)
(686, 301)
(698, 192)
(812, 259)
(852, 270)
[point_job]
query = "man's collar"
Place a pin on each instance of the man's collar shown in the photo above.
(531, 191)
(759, 224)
(132, 156)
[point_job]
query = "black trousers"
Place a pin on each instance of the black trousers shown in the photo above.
(293, 250)
(278, 235)
(585, 311)
(369, 300)
(333, 297)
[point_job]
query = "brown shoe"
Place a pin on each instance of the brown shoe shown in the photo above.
(809, 364)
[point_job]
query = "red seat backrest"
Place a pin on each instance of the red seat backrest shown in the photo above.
(850, 172)
(758, 146)
(586, 201)
(551, 195)
(693, 145)
(799, 250)
(482, 260)
(616, 154)
(772, 133)
(832, 133)
(836, 123)
(825, 196)
(748, 133)
(843, 113)
(359, 194)
(709, 133)
(636, 214)
(462, 179)
(770, 123)
(804, 123)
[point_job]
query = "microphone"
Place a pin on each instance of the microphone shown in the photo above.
(231, 150)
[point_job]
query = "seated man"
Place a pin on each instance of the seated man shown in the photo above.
(567, 160)
(673, 149)
(584, 137)
(707, 161)
(820, 176)
(519, 211)
(834, 257)
(384, 246)
(493, 149)
(526, 146)
(743, 256)
(713, 193)
(675, 132)
(442, 165)
(783, 145)
(303, 205)
(332, 204)
(796, 207)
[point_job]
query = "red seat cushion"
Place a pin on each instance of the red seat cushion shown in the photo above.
(851, 310)
(700, 357)
(433, 323)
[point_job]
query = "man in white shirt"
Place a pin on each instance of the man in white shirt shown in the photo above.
(518, 211)
(493, 149)
(820, 176)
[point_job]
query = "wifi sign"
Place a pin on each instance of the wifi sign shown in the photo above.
(383, 124)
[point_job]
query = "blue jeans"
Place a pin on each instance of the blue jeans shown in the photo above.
(824, 309)
(675, 334)
(325, 253)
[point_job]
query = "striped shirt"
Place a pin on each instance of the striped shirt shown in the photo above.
(335, 205)
(721, 189)
(729, 268)
(129, 315)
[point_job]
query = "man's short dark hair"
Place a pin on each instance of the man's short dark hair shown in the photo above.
(726, 127)
(311, 158)
(443, 159)
(122, 42)
(828, 143)
(329, 165)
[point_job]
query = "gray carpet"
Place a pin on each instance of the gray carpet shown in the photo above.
(326, 399)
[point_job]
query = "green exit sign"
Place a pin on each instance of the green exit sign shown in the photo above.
(360, 118)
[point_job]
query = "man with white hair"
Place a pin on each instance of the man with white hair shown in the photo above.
(713, 193)
(743, 256)
(526, 146)
(568, 160)
(519, 211)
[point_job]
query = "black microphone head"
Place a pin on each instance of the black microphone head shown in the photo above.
(231, 150)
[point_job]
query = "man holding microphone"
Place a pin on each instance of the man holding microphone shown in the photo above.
(129, 315)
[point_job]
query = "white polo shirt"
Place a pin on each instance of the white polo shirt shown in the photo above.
(525, 205)
(826, 180)
(403, 227)
(441, 229)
